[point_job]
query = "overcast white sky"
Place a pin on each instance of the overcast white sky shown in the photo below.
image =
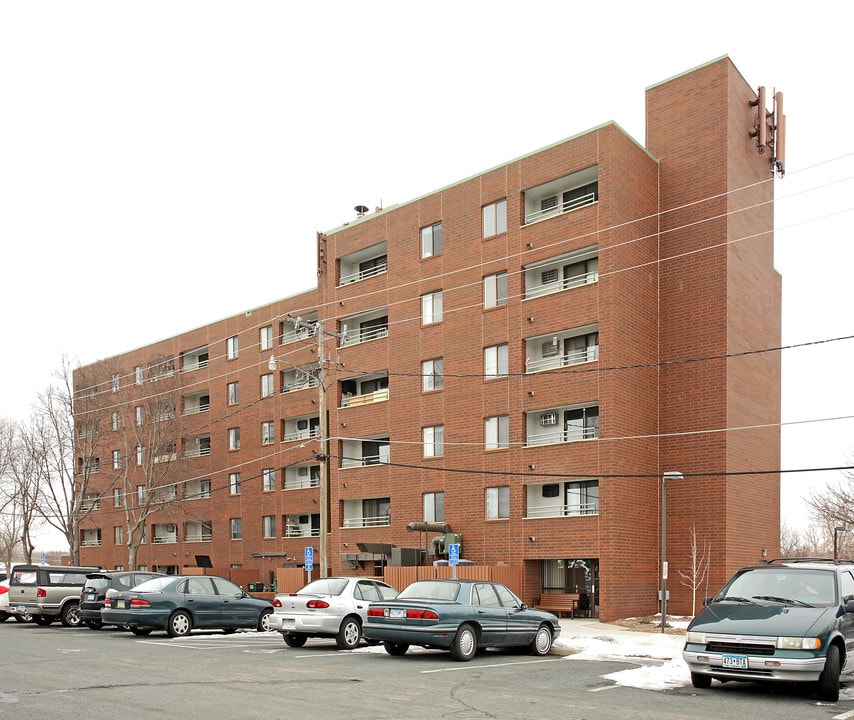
(167, 164)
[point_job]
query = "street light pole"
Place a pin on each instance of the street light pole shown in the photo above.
(664, 478)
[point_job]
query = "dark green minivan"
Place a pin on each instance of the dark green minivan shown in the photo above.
(785, 620)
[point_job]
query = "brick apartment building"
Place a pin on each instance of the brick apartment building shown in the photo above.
(520, 355)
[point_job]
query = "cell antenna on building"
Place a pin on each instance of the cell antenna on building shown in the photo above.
(361, 210)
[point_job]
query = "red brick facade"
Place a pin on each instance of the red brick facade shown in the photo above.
(627, 303)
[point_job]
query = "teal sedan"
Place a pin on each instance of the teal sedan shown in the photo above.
(180, 603)
(462, 616)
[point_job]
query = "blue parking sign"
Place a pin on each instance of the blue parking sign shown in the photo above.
(454, 554)
(309, 559)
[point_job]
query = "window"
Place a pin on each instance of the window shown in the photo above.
(118, 498)
(434, 440)
(497, 432)
(234, 483)
(141, 494)
(434, 507)
(268, 432)
(582, 498)
(495, 290)
(140, 453)
(234, 438)
(495, 218)
(118, 535)
(138, 375)
(268, 479)
(114, 383)
(267, 387)
(431, 240)
(233, 393)
(117, 459)
(236, 528)
(497, 502)
(581, 424)
(266, 340)
(431, 308)
(431, 374)
(269, 526)
(495, 361)
(232, 349)
(139, 413)
(117, 422)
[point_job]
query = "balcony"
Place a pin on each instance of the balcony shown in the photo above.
(197, 489)
(568, 347)
(299, 378)
(562, 273)
(367, 512)
(562, 195)
(301, 477)
(91, 538)
(364, 327)
(307, 525)
(359, 453)
(300, 428)
(165, 533)
(194, 359)
(199, 402)
(199, 446)
(288, 333)
(362, 265)
(561, 425)
(364, 390)
(198, 531)
(564, 499)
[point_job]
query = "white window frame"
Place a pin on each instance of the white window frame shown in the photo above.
(234, 481)
(117, 421)
(266, 337)
(497, 432)
(267, 385)
(268, 526)
(117, 459)
(234, 438)
(495, 218)
(268, 432)
(431, 308)
(115, 382)
(433, 439)
(268, 479)
(497, 502)
(233, 390)
(232, 348)
(235, 527)
(431, 506)
(430, 246)
(496, 361)
(431, 378)
(139, 375)
(495, 290)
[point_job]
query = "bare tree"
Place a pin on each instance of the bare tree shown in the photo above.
(698, 570)
(10, 531)
(833, 507)
(20, 489)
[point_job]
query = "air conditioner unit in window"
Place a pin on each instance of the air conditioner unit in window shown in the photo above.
(302, 424)
(548, 419)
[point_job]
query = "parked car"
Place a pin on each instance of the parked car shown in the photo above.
(47, 592)
(97, 583)
(461, 616)
(790, 621)
(4, 605)
(181, 603)
(333, 607)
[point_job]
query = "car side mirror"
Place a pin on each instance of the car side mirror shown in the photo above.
(849, 606)
(523, 606)
(707, 600)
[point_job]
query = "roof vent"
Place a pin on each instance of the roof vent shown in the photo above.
(360, 210)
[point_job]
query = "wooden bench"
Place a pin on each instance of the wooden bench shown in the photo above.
(560, 603)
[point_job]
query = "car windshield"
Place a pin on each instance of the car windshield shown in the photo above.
(790, 586)
(431, 590)
(324, 586)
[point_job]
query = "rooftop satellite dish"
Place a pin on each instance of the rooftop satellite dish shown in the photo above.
(361, 210)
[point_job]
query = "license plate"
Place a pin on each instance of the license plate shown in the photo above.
(397, 613)
(289, 622)
(735, 662)
(22, 608)
(120, 604)
(91, 596)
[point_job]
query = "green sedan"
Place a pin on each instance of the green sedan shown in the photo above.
(461, 616)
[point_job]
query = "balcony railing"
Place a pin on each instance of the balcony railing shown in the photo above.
(575, 509)
(363, 274)
(190, 366)
(165, 539)
(572, 434)
(571, 358)
(376, 521)
(300, 384)
(301, 434)
(90, 543)
(366, 399)
(294, 531)
(197, 409)
(559, 208)
(300, 483)
(362, 461)
(197, 452)
(562, 284)
(356, 337)
(199, 537)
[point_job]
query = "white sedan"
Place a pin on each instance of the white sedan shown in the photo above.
(334, 607)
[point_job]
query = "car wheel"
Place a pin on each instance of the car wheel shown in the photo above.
(295, 639)
(180, 623)
(26, 617)
(264, 621)
(93, 624)
(140, 631)
(349, 634)
(70, 615)
(542, 641)
(698, 680)
(397, 649)
(828, 681)
(464, 646)
(42, 620)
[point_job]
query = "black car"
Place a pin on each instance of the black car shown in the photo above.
(96, 586)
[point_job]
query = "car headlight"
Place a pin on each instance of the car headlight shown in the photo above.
(798, 643)
(694, 637)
